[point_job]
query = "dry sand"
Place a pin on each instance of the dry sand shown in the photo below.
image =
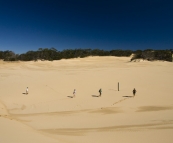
(49, 114)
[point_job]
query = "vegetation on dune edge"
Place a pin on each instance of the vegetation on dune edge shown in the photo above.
(53, 54)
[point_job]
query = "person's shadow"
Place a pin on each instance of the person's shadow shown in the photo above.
(70, 96)
(128, 96)
(23, 93)
(95, 96)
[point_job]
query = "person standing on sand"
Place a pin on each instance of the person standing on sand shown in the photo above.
(74, 92)
(100, 91)
(134, 92)
(27, 90)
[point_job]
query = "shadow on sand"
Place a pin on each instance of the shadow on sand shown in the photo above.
(95, 96)
(128, 96)
(23, 93)
(70, 96)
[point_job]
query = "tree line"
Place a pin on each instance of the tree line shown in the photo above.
(151, 55)
(53, 54)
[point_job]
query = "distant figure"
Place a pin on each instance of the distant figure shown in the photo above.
(27, 90)
(134, 92)
(100, 91)
(74, 92)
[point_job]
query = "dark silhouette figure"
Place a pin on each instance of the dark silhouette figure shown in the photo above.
(100, 91)
(74, 93)
(134, 92)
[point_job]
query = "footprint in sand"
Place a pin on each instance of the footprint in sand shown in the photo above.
(23, 107)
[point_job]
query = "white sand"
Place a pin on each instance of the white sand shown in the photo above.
(49, 114)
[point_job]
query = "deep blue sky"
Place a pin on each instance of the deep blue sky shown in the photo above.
(105, 24)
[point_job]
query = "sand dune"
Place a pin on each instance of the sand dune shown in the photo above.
(49, 113)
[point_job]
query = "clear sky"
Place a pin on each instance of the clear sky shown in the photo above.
(105, 24)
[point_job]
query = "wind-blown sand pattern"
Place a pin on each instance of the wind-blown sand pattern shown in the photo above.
(50, 114)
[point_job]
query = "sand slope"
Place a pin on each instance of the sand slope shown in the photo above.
(50, 114)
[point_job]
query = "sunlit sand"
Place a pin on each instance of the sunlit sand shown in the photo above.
(51, 114)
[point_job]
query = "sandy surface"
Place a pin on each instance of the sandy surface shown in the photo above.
(49, 114)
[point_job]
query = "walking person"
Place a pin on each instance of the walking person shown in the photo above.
(134, 92)
(74, 93)
(100, 91)
(27, 90)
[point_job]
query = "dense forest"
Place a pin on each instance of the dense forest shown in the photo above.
(53, 54)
